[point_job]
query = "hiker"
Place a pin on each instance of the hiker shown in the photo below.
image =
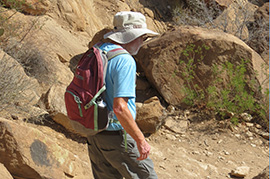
(108, 154)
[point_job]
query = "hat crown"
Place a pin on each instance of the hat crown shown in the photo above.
(127, 20)
(128, 26)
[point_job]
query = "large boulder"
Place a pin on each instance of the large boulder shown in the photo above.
(41, 152)
(92, 16)
(150, 115)
(160, 60)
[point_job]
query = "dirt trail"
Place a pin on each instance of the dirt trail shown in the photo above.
(207, 151)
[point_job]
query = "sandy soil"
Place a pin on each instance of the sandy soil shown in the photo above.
(207, 151)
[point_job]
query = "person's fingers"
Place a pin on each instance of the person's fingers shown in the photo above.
(143, 156)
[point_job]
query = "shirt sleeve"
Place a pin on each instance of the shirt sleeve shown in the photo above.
(124, 77)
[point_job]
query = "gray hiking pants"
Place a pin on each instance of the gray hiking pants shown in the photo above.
(109, 159)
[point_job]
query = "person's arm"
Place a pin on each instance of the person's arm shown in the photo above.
(124, 116)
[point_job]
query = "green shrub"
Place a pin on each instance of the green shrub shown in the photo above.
(234, 94)
(192, 55)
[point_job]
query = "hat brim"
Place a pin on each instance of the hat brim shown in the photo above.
(127, 35)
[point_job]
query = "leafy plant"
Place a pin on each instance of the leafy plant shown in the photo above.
(192, 55)
(230, 92)
(236, 96)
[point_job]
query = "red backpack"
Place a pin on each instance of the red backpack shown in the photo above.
(84, 96)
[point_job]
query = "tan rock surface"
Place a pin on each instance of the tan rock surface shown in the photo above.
(161, 58)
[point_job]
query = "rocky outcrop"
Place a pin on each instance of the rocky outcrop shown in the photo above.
(234, 18)
(39, 60)
(92, 16)
(150, 115)
(161, 58)
(41, 153)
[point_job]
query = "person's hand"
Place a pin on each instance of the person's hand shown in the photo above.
(144, 149)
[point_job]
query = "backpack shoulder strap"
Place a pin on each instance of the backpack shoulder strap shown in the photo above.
(106, 56)
(111, 54)
(115, 52)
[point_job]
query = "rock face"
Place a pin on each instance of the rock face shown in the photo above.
(51, 37)
(39, 155)
(234, 17)
(161, 58)
(150, 115)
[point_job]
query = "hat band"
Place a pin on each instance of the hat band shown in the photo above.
(131, 26)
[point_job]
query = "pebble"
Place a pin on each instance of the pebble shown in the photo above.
(241, 171)
(195, 152)
(249, 134)
(248, 124)
(208, 154)
(221, 158)
(258, 126)
(246, 117)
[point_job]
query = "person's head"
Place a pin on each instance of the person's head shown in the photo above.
(129, 30)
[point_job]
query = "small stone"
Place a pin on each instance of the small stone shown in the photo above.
(196, 152)
(246, 117)
(259, 142)
(220, 141)
(240, 171)
(264, 135)
(206, 142)
(258, 126)
(208, 154)
(248, 124)
(221, 158)
(249, 134)
(170, 137)
(171, 109)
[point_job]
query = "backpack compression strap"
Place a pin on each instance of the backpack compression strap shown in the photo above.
(93, 102)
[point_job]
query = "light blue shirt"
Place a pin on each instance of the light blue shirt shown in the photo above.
(120, 81)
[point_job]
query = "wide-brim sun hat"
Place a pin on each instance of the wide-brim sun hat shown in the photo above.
(128, 26)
